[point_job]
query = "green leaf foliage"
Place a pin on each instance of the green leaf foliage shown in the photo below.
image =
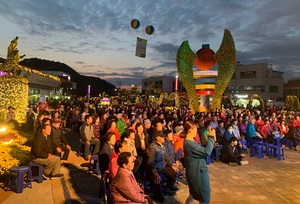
(226, 59)
(185, 60)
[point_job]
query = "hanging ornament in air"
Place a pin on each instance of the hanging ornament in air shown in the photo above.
(135, 23)
(149, 29)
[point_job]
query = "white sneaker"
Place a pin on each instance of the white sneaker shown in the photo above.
(244, 162)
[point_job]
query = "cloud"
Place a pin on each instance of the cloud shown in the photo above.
(98, 32)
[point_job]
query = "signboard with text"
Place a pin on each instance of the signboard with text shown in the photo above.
(248, 74)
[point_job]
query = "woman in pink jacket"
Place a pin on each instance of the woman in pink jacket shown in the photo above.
(124, 187)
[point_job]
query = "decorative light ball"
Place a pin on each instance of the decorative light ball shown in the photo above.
(135, 23)
(205, 59)
(149, 29)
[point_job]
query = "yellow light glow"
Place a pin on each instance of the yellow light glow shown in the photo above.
(7, 143)
(3, 129)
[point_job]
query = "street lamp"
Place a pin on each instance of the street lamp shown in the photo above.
(176, 83)
(89, 91)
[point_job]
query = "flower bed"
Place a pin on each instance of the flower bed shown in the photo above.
(16, 153)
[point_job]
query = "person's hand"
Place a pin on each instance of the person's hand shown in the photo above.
(212, 133)
(148, 200)
(243, 155)
(174, 167)
(88, 142)
(50, 156)
(157, 178)
(68, 147)
(58, 149)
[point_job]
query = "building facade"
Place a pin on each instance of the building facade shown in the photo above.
(258, 79)
(292, 87)
(165, 83)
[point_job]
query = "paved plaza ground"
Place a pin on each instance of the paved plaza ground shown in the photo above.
(262, 181)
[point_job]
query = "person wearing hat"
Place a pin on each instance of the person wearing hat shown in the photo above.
(60, 143)
(158, 163)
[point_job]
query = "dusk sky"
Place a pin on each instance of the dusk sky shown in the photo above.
(95, 38)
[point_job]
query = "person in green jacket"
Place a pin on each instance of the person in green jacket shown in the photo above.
(122, 124)
(196, 170)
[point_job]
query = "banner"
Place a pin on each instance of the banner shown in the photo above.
(141, 45)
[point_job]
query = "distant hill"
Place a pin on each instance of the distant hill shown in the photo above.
(98, 86)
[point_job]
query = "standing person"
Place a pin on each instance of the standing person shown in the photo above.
(196, 170)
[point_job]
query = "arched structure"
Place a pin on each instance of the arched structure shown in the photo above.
(292, 102)
(257, 97)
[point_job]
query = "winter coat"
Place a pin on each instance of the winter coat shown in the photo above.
(196, 169)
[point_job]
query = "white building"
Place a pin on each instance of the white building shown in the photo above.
(258, 79)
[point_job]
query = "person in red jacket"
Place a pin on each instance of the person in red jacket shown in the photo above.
(124, 187)
(266, 131)
(119, 147)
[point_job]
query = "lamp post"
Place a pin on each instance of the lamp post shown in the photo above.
(176, 83)
(89, 92)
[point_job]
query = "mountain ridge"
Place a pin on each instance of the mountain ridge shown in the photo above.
(98, 85)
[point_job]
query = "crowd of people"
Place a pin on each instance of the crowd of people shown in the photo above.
(155, 145)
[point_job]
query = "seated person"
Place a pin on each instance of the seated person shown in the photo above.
(129, 136)
(124, 187)
(42, 153)
(236, 130)
(159, 163)
(59, 140)
(141, 144)
(251, 131)
(169, 148)
(178, 143)
(231, 153)
(109, 140)
(119, 147)
(204, 133)
(265, 131)
(30, 119)
(87, 137)
(228, 134)
(11, 117)
(220, 131)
